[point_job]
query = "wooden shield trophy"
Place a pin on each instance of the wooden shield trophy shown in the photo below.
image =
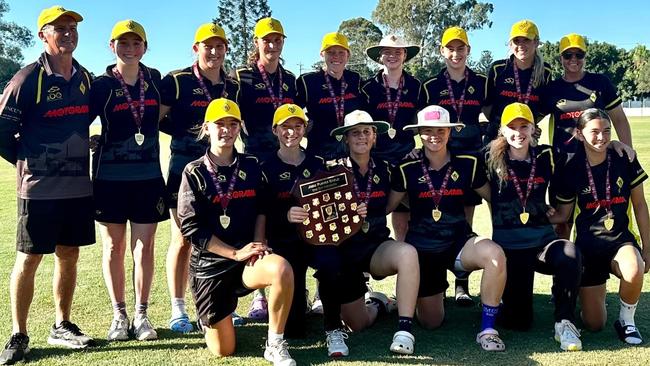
(330, 200)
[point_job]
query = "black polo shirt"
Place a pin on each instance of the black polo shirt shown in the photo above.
(427, 235)
(395, 149)
(199, 209)
(44, 123)
(436, 92)
(257, 107)
(314, 94)
(118, 156)
(566, 101)
(181, 91)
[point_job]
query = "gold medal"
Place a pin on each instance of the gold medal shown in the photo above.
(392, 132)
(224, 220)
(609, 223)
(523, 217)
(436, 214)
(139, 138)
(365, 227)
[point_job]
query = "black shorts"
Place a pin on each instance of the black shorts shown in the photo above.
(141, 202)
(434, 266)
(598, 266)
(216, 297)
(44, 224)
(172, 186)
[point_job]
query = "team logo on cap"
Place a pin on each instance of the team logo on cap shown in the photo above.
(292, 109)
(226, 107)
(271, 23)
(432, 116)
(523, 26)
(393, 38)
(130, 25)
(61, 9)
(214, 29)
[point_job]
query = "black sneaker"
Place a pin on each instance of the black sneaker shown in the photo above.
(69, 335)
(628, 333)
(463, 298)
(15, 350)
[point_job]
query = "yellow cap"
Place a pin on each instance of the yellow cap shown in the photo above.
(209, 30)
(573, 40)
(221, 108)
(287, 111)
(128, 26)
(49, 15)
(334, 39)
(524, 28)
(266, 26)
(454, 33)
(516, 110)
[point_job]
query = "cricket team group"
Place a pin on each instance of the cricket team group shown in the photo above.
(234, 219)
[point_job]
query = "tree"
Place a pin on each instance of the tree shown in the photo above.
(638, 74)
(238, 18)
(422, 22)
(483, 64)
(361, 34)
(13, 38)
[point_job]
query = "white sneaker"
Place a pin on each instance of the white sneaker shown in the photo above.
(568, 335)
(142, 328)
(403, 343)
(278, 354)
(119, 330)
(336, 346)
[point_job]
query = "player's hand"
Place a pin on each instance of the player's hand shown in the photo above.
(646, 259)
(414, 154)
(362, 210)
(538, 133)
(621, 148)
(297, 214)
(252, 249)
(550, 212)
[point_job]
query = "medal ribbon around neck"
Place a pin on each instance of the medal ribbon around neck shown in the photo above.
(529, 185)
(366, 200)
(224, 198)
(608, 187)
(339, 107)
(206, 92)
(138, 115)
(277, 102)
(393, 107)
(436, 195)
(457, 105)
(522, 98)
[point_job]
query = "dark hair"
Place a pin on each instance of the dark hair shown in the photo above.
(590, 115)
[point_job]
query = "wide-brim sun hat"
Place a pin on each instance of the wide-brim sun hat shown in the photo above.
(392, 41)
(433, 116)
(359, 118)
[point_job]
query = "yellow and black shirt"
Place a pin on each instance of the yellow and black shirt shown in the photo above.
(314, 93)
(119, 157)
(44, 123)
(566, 101)
(257, 106)
(427, 235)
(392, 149)
(591, 234)
(181, 91)
(435, 92)
(199, 209)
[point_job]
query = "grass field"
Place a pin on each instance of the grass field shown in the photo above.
(452, 344)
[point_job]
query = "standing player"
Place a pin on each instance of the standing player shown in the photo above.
(461, 92)
(520, 172)
(265, 85)
(329, 94)
(219, 211)
(185, 95)
(602, 185)
(519, 78)
(46, 104)
(436, 182)
(128, 183)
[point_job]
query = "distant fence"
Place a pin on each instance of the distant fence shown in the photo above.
(637, 112)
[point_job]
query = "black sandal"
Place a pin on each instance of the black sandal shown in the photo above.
(628, 333)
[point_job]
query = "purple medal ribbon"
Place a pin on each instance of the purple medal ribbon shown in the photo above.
(277, 102)
(224, 199)
(436, 195)
(608, 187)
(357, 191)
(522, 98)
(529, 185)
(339, 107)
(206, 92)
(457, 105)
(393, 106)
(138, 115)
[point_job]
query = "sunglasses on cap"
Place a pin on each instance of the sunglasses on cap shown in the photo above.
(568, 55)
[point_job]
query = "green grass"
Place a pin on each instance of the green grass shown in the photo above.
(452, 344)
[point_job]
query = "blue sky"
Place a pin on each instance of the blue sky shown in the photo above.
(170, 27)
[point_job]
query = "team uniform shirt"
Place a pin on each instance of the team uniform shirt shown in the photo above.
(199, 211)
(361, 244)
(591, 234)
(280, 179)
(425, 234)
(566, 101)
(507, 228)
(313, 93)
(435, 92)
(182, 91)
(502, 90)
(257, 106)
(44, 123)
(392, 149)
(118, 156)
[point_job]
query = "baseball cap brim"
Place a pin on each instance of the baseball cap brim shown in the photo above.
(51, 18)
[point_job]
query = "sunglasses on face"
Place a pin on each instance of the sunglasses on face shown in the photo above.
(569, 55)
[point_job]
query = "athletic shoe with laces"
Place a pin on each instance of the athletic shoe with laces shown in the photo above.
(568, 335)
(259, 308)
(142, 329)
(336, 346)
(119, 330)
(69, 335)
(15, 349)
(628, 333)
(278, 353)
(181, 324)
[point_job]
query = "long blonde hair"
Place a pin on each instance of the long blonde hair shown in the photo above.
(497, 160)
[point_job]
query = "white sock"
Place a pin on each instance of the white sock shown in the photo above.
(274, 338)
(626, 314)
(178, 307)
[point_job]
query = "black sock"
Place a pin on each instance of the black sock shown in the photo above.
(405, 323)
